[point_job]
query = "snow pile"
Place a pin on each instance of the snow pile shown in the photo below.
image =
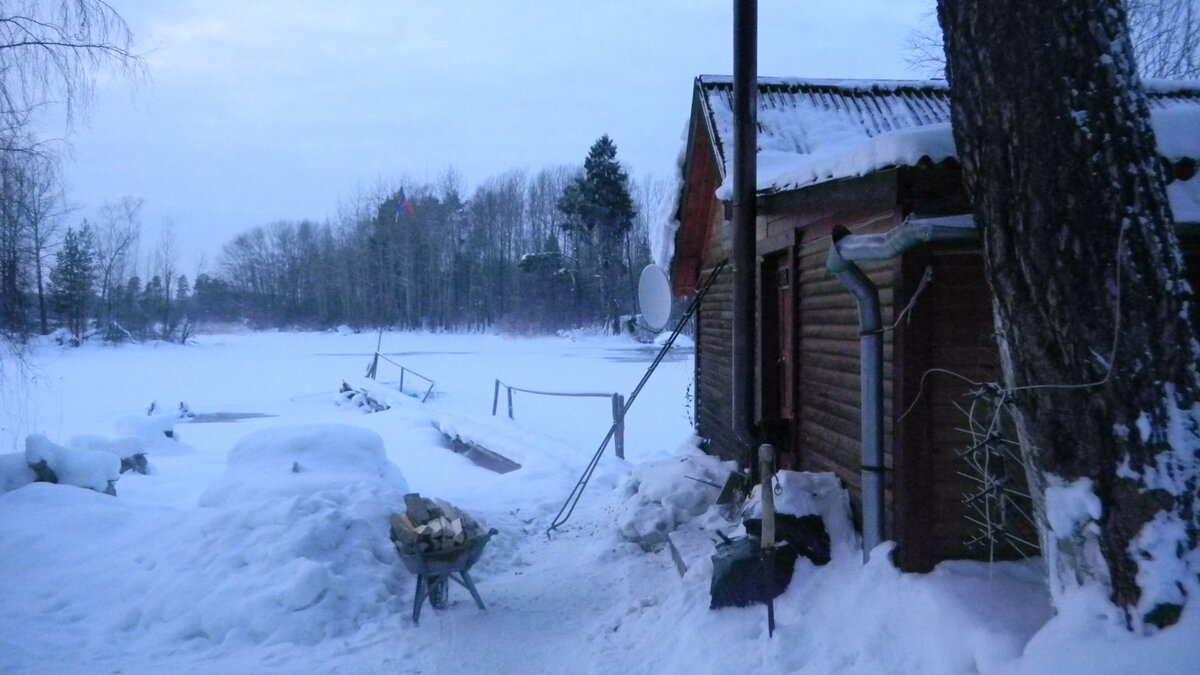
(157, 430)
(819, 494)
(124, 447)
(72, 466)
(504, 437)
(131, 450)
(14, 472)
(276, 556)
(304, 460)
(364, 394)
(1088, 635)
(661, 496)
(681, 341)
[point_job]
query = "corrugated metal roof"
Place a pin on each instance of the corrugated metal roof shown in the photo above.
(815, 117)
(865, 107)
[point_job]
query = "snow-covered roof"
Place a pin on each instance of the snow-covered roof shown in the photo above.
(812, 131)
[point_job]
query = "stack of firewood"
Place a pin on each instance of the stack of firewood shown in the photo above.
(431, 525)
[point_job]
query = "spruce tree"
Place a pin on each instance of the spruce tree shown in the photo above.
(599, 210)
(73, 277)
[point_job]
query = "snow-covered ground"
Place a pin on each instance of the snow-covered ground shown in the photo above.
(260, 544)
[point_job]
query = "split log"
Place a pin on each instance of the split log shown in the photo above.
(431, 525)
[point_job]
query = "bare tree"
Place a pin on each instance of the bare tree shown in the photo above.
(1165, 36)
(1097, 352)
(12, 238)
(166, 266)
(116, 237)
(43, 206)
(50, 54)
(50, 51)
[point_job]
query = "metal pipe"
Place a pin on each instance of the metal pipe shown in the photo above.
(909, 234)
(844, 251)
(870, 322)
(745, 178)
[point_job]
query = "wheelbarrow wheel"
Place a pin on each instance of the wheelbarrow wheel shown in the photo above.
(439, 592)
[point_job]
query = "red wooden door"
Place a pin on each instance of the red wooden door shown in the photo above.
(786, 329)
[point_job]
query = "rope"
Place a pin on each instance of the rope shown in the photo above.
(568, 507)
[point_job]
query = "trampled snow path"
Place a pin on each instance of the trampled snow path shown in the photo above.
(549, 611)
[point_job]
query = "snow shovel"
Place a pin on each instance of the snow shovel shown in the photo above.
(749, 570)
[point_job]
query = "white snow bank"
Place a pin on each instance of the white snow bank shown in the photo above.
(158, 431)
(819, 494)
(14, 472)
(505, 437)
(290, 546)
(1088, 635)
(366, 395)
(303, 460)
(661, 496)
(843, 617)
(681, 341)
(300, 569)
(124, 447)
(72, 466)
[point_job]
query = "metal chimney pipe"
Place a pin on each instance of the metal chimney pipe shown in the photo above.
(745, 179)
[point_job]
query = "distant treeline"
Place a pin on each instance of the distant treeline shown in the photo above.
(527, 253)
(427, 258)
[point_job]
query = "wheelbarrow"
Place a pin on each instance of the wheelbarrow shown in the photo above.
(435, 569)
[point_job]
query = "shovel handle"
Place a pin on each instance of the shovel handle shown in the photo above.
(766, 468)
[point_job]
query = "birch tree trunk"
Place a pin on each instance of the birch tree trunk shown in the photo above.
(1085, 272)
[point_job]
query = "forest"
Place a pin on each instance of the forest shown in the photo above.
(522, 253)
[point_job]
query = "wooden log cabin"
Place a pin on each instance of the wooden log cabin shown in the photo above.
(876, 158)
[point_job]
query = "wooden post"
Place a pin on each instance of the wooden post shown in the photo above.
(510, 411)
(618, 405)
(495, 397)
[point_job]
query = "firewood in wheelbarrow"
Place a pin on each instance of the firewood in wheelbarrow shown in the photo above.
(418, 513)
(402, 531)
(458, 534)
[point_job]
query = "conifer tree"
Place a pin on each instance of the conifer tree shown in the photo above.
(597, 203)
(73, 277)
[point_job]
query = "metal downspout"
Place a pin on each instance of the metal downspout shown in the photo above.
(871, 369)
(846, 249)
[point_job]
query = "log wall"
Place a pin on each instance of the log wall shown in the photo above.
(828, 428)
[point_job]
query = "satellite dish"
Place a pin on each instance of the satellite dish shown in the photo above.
(654, 297)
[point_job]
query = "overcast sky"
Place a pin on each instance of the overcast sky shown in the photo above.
(255, 112)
